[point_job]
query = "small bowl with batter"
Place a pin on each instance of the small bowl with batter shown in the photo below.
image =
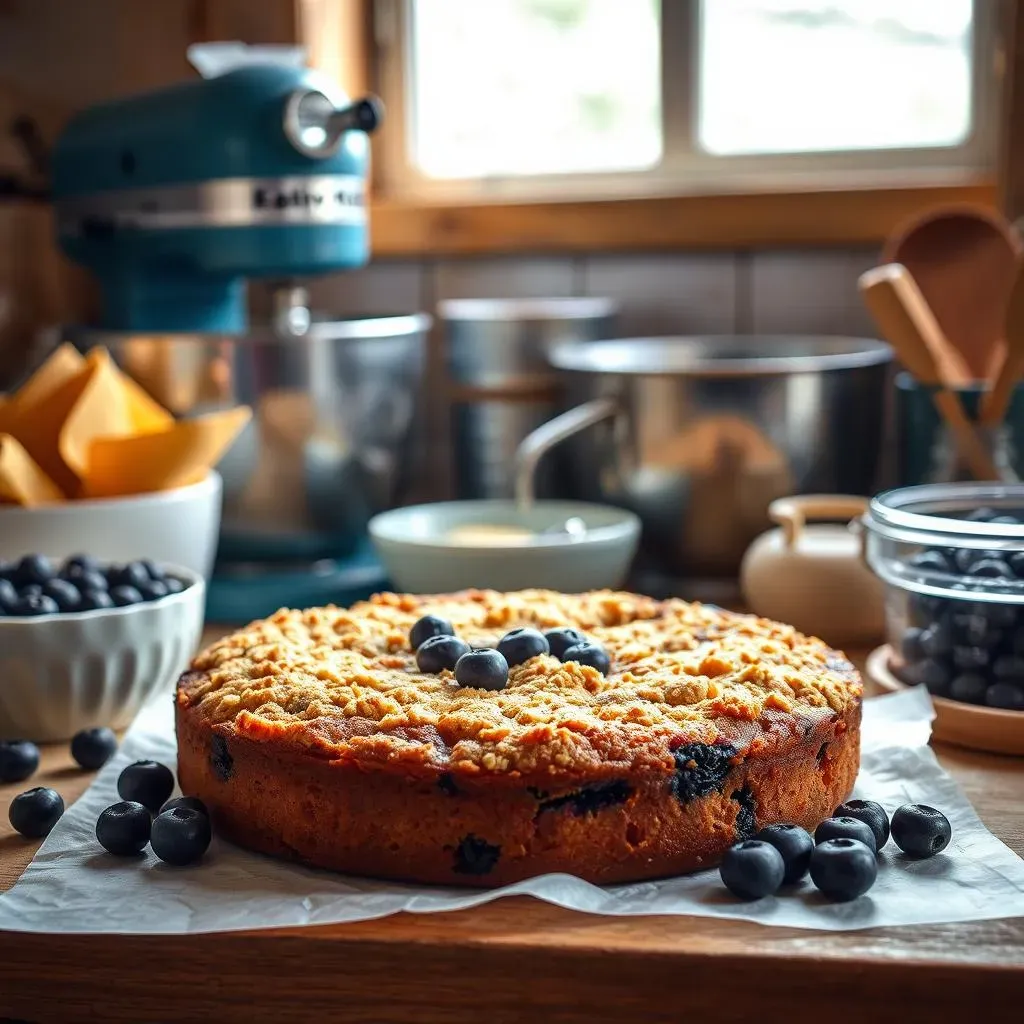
(455, 545)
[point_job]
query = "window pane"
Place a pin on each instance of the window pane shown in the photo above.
(513, 87)
(783, 76)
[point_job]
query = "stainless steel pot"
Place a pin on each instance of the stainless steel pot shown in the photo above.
(328, 443)
(699, 435)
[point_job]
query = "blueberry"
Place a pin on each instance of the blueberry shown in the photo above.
(1017, 640)
(192, 802)
(989, 568)
(8, 596)
(937, 640)
(65, 595)
(968, 688)
(872, 814)
(181, 835)
(521, 645)
(438, 653)
(1002, 616)
(430, 625)
(980, 631)
(795, 845)
(131, 575)
(924, 607)
(1009, 667)
(969, 659)
(1004, 520)
(93, 599)
(1008, 696)
(18, 760)
(752, 869)
(1016, 564)
(561, 639)
(93, 748)
(920, 831)
(123, 828)
(845, 828)
(930, 561)
(964, 558)
(486, 670)
(981, 515)
(910, 645)
(932, 675)
(33, 569)
(123, 596)
(173, 585)
(843, 869)
(155, 573)
(79, 565)
(147, 783)
(590, 654)
(34, 604)
(88, 580)
(35, 812)
(153, 590)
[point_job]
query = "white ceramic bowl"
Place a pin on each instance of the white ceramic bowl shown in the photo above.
(62, 673)
(415, 546)
(178, 527)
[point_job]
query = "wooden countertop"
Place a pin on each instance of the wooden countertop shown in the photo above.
(518, 959)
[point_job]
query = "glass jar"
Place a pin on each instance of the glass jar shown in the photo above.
(952, 559)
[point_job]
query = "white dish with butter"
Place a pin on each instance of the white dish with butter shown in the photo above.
(561, 545)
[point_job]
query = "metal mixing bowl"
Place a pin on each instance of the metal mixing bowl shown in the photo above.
(328, 443)
(699, 435)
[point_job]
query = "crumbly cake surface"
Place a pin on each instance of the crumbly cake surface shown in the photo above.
(342, 686)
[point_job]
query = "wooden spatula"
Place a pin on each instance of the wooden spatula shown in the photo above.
(997, 399)
(964, 259)
(903, 323)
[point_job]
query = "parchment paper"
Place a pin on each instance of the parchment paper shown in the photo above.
(73, 886)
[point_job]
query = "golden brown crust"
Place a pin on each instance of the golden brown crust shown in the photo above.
(312, 735)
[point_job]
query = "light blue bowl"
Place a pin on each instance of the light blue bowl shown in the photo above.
(421, 558)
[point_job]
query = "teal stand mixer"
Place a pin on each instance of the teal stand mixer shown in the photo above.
(176, 200)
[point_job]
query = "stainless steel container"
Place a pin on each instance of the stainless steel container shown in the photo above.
(699, 435)
(501, 383)
(328, 443)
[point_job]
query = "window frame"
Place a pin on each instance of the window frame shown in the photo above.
(685, 170)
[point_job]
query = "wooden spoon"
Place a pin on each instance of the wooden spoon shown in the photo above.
(903, 325)
(964, 259)
(996, 400)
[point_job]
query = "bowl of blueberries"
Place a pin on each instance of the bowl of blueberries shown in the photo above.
(85, 643)
(952, 558)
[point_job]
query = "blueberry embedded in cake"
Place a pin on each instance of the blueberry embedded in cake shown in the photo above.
(480, 738)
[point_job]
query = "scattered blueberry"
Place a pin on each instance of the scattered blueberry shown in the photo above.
(123, 828)
(181, 835)
(795, 845)
(752, 869)
(31, 605)
(920, 831)
(968, 688)
(590, 654)
(79, 565)
(93, 748)
(561, 639)
(521, 645)
(192, 802)
(845, 828)
(93, 599)
(426, 627)
(486, 669)
(33, 569)
(1008, 696)
(438, 653)
(18, 760)
(64, 594)
(872, 814)
(133, 574)
(147, 783)
(843, 869)
(35, 812)
(123, 596)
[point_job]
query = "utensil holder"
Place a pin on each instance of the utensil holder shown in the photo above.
(927, 449)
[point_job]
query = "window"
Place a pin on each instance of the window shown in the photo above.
(547, 98)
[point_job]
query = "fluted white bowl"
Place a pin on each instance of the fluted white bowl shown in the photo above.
(62, 673)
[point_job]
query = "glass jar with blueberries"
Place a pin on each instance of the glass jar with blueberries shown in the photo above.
(952, 557)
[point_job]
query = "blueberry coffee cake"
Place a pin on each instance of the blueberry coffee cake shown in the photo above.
(479, 738)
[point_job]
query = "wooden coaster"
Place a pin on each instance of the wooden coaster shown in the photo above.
(966, 725)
